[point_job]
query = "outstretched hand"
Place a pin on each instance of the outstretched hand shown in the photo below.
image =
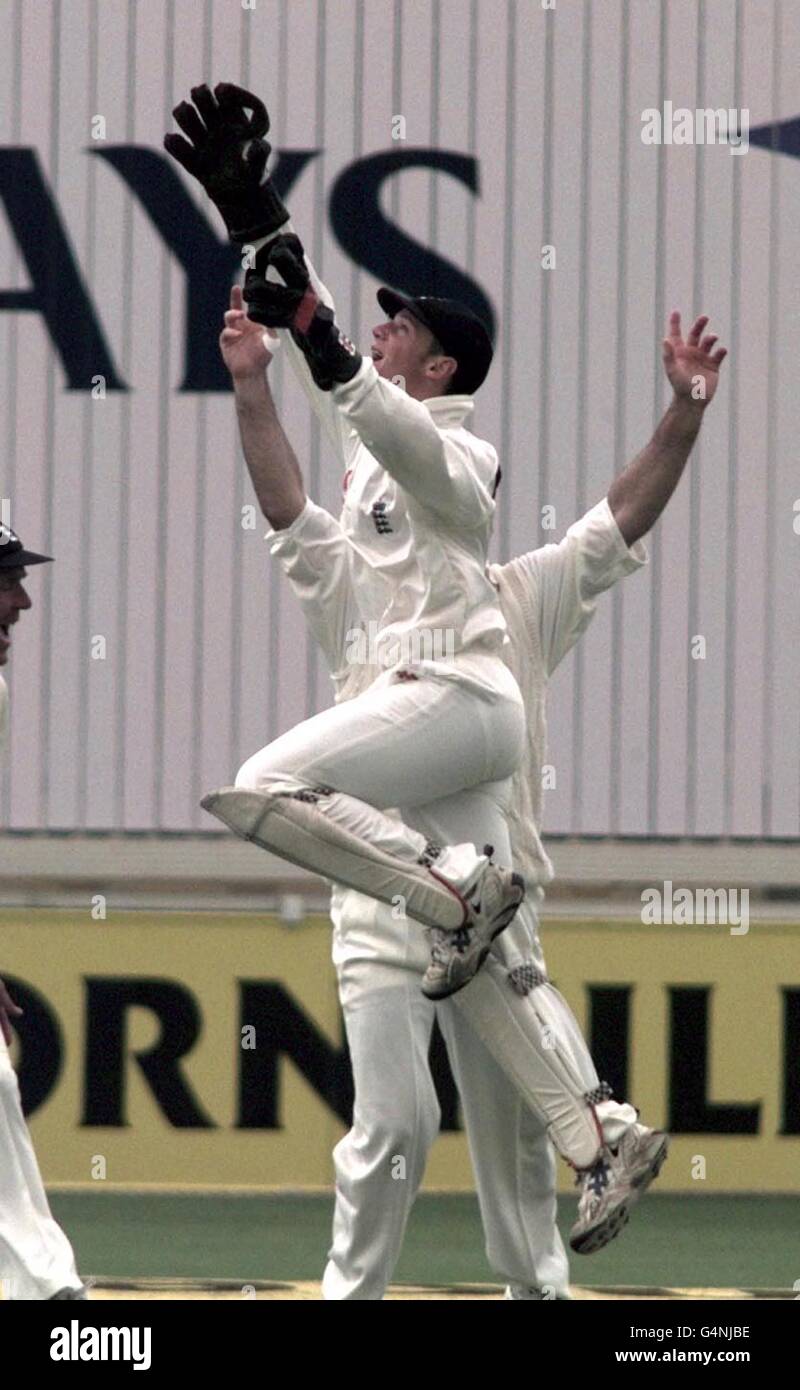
(691, 366)
(243, 342)
(225, 149)
(224, 146)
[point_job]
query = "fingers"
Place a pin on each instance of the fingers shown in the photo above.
(668, 350)
(189, 121)
(229, 95)
(696, 329)
(229, 337)
(181, 150)
(204, 100)
(694, 337)
(256, 156)
(236, 315)
(290, 267)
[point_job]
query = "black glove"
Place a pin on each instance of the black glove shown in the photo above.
(227, 154)
(295, 305)
(288, 305)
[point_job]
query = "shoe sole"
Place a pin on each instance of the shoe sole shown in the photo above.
(611, 1225)
(505, 921)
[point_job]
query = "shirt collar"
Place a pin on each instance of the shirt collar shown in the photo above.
(450, 411)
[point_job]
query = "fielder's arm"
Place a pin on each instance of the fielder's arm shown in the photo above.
(309, 542)
(561, 583)
(641, 492)
(270, 458)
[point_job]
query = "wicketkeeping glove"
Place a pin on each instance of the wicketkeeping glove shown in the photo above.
(295, 305)
(227, 153)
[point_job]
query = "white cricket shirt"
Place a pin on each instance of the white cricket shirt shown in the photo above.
(418, 514)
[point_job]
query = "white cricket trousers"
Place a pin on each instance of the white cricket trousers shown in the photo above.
(379, 963)
(36, 1259)
(380, 1162)
(403, 744)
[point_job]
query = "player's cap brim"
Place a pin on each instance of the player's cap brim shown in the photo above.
(392, 302)
(21, 559)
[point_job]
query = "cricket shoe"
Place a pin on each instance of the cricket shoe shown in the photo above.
(457, 956)
(614, 1184)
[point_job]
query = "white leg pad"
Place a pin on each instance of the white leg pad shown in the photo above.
(299, 831)
(532, 1039)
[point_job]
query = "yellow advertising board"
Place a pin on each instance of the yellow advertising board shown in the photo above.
(175, 1048)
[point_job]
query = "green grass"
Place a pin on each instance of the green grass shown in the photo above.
(709, 1241)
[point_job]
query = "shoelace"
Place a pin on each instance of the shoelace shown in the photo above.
(597, 1179)
(448, 941)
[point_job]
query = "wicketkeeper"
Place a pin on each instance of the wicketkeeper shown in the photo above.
(418, 515)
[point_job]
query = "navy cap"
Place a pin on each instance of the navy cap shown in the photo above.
(13, 554)
(461, 333)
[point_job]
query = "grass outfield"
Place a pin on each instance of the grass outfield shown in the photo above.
(693, 1242)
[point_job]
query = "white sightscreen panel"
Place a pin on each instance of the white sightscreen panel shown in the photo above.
(163, 647)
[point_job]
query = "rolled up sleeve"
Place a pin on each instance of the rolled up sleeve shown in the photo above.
(567, 578)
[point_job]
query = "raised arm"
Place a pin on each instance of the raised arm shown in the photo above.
(271, 461)
(560, 584)
(224, 147)
(638, 496)
(307, 540)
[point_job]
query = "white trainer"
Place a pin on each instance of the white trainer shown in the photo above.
(614, 1184)
(457, 956)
